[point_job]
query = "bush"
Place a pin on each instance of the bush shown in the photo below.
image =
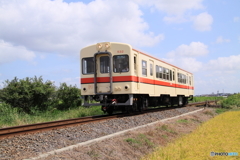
(28, 94)
(231, 102)
(68, 96)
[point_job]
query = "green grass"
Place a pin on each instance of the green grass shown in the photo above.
(201, 99)
(182, 121)
(139, 141)
(14, 117)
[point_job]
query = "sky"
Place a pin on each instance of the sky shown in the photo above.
(44, 37)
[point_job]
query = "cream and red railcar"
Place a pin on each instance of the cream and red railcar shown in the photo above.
(118, 77)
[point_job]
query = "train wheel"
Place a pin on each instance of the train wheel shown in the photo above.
(140, 107)
(134, 107)
(180, 101)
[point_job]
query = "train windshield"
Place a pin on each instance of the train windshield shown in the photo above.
(87, 65)
(120, 63)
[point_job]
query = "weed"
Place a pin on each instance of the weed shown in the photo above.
(166, 128)
(183, 121)
(221, 110)
(207, 112)
(165, 136)
(139, 141)
(93, 154)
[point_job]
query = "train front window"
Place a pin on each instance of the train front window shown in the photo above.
(120, 63)
(87, 65)
(104, 64)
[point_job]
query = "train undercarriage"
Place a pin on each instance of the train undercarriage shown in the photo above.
(127, 103)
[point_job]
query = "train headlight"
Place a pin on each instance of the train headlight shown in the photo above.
(99, 46)
(107, 46)
(127, 87)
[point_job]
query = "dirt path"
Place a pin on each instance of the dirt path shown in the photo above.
(136, 144)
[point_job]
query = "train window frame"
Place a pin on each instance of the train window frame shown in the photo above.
(104, 64)
(144, 68)
(123, 63)
(86, 66)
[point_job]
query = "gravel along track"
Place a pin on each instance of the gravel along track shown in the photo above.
(32, 145)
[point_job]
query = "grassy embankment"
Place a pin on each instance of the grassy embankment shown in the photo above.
(13, 117)
(220, 134)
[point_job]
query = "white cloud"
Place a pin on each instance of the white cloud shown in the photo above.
(227, 64)
(203, 22)
(11, 53)
(194, 49)
(173, 7)
(236, 19)
(220, 39)
(177, 11)
(56, 26)
(184, 56)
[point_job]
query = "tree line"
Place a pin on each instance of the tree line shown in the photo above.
(31, 94)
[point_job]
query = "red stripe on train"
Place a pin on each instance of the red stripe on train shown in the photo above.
(134, 79)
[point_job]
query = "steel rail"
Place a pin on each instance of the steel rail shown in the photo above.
(37, 127)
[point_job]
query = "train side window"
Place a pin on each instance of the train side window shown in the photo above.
(87, 65)
(167, 74)
(144, 68)
(160, 72)
(151, 69)
(164, 73)
(173, 76)
(190, 80)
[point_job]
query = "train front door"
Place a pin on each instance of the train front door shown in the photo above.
(103, 73)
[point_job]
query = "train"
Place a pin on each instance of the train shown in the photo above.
(118, 77)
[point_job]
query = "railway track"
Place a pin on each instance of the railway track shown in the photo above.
(38, 127)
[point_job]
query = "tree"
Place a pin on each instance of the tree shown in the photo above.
(28, 94)
(69, 96)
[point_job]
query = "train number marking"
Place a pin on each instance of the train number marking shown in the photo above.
(120, 51)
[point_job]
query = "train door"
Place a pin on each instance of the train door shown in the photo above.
(136, 72)
(103, 73)
(175, 81)
(151, 86)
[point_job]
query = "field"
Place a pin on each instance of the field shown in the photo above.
(220, 134)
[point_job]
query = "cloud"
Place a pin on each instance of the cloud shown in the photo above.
(203, 22)
(226, 64)
(177, 11)
(184, 56)
(194, 49)
(11, 53)
(220, 39)
(59, 27)
(172, 7)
